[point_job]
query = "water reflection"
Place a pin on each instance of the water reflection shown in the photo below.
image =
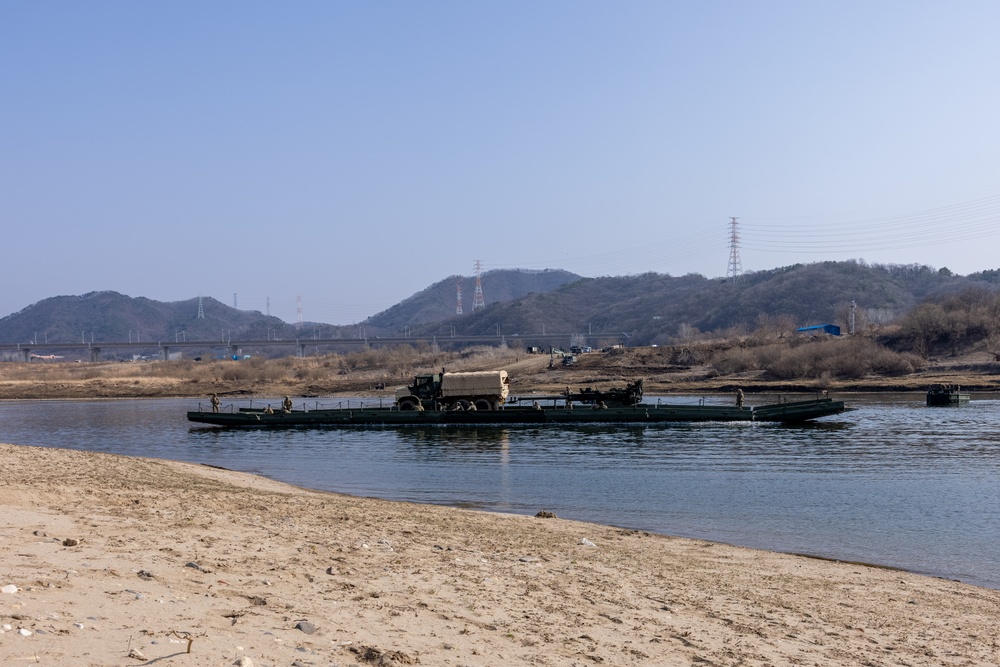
(458, 439)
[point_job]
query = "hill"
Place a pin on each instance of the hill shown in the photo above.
(651, 308)
(437, 302)
(110, 316)
(660, 309)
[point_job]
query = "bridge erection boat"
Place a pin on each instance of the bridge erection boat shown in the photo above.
(515, 415)
(947, 394)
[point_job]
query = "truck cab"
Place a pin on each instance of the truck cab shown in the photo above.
(425, 389)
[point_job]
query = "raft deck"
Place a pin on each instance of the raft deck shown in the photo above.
(643, 413)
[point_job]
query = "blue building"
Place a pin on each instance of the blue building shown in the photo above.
(831, 329)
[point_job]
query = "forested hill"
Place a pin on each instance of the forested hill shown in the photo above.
(651, 308)
(656, 308)
(439, 301)
(111, 316)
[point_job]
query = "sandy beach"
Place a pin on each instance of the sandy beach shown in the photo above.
(109, 560)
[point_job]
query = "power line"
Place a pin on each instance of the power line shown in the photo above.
(954, 223)
(971, 220)
(961, 222)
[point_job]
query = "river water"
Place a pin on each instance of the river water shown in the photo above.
(893, 483)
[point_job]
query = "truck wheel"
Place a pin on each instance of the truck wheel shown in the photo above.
(408, 404)
(483, 404)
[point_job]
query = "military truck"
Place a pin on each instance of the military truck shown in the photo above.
(482, 390)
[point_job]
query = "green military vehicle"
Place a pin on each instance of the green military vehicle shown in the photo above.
(481, 390)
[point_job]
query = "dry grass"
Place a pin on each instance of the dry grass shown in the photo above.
(759, 365)
(841, 358)
(357, 372)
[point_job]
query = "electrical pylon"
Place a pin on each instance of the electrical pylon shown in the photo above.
(735, 265)
(477, 297)
(458, 297)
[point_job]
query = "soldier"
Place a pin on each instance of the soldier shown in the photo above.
(215, 402)
(286, 405)
(739, 397)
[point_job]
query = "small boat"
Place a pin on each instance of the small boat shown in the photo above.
(946, 394)
(638, 414)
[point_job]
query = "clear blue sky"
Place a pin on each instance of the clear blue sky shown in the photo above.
(352, 153)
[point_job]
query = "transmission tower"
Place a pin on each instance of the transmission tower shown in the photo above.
(201, 309)
(298, 307)
(735, 265)
(477, 297)
(458, 297)
(235, 302)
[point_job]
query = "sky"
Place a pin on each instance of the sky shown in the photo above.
(328, 159)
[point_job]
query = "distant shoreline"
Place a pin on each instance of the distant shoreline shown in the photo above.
(86, 390)
(334, 376)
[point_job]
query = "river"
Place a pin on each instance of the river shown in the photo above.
(893, 483)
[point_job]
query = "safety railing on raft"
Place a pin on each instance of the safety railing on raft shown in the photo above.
(346, 404)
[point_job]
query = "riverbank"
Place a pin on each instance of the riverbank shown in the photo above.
(378, 372)
(201, 566)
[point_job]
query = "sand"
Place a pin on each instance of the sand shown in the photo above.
(126, 561)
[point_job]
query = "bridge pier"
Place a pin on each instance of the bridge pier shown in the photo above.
(164, 353)
(25, 355)
(234, 352)
(300, 350)
(95, 354)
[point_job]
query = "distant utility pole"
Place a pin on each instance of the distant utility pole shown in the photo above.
(298, 301)
(458, 296)
(267, 306)
(201, 309)
(854, 307)
(234, 301)
(477, 297)
(735, 265)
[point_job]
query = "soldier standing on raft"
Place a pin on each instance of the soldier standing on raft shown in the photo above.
(739, 397)
(215, 402)
(286, 405)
